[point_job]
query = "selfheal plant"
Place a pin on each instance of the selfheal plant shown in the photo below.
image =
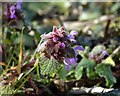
(57, 44)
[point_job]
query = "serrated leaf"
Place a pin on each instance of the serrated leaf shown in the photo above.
(104, 70)
(109, 60)
(6, 89)
(49, 66)
(87, 64)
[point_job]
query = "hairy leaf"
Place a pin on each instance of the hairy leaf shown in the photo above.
(49, 66)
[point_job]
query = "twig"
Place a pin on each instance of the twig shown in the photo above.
(115, 51)
(106, 29)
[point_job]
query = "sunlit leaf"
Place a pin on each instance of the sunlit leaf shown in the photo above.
(109, 60)
(104, 70)
(88, 65)
(79, 72)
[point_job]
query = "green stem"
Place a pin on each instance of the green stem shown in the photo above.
(21, 85)
(36, 50)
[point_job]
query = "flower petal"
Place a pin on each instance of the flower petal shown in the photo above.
(74, 33)
(12, 8)
(12, 16)
(71, 36)
(68, 67)
(69, 61)
(73, 61)
(62, 45)
(55, 39)
(92, 56)
(78, 48)
(104, 53)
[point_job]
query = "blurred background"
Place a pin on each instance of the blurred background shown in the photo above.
(96, 22)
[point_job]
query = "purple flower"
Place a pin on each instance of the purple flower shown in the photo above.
(12, 16)
(92, 56)
(69, 61)
(12, 8)
(12, 12)
(78, 48)
(19, 5)
(74, 33)
(104, 53)
(62, 45)
(71, 37)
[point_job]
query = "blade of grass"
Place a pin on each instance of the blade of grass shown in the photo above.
(18, 67)
(20, 85)
(36, 63)
(38, 71)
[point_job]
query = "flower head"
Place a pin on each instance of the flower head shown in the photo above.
(58, 45)
(12, 12)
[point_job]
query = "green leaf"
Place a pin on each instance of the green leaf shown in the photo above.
(104, 70)
(62, 73)
(79, 72)
(97, 49)
(91, 73)
(88, 65)
(49, 66)
(6, 89)
(109, 60)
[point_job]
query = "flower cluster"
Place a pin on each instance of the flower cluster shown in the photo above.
(99, 57)
(57, 44)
